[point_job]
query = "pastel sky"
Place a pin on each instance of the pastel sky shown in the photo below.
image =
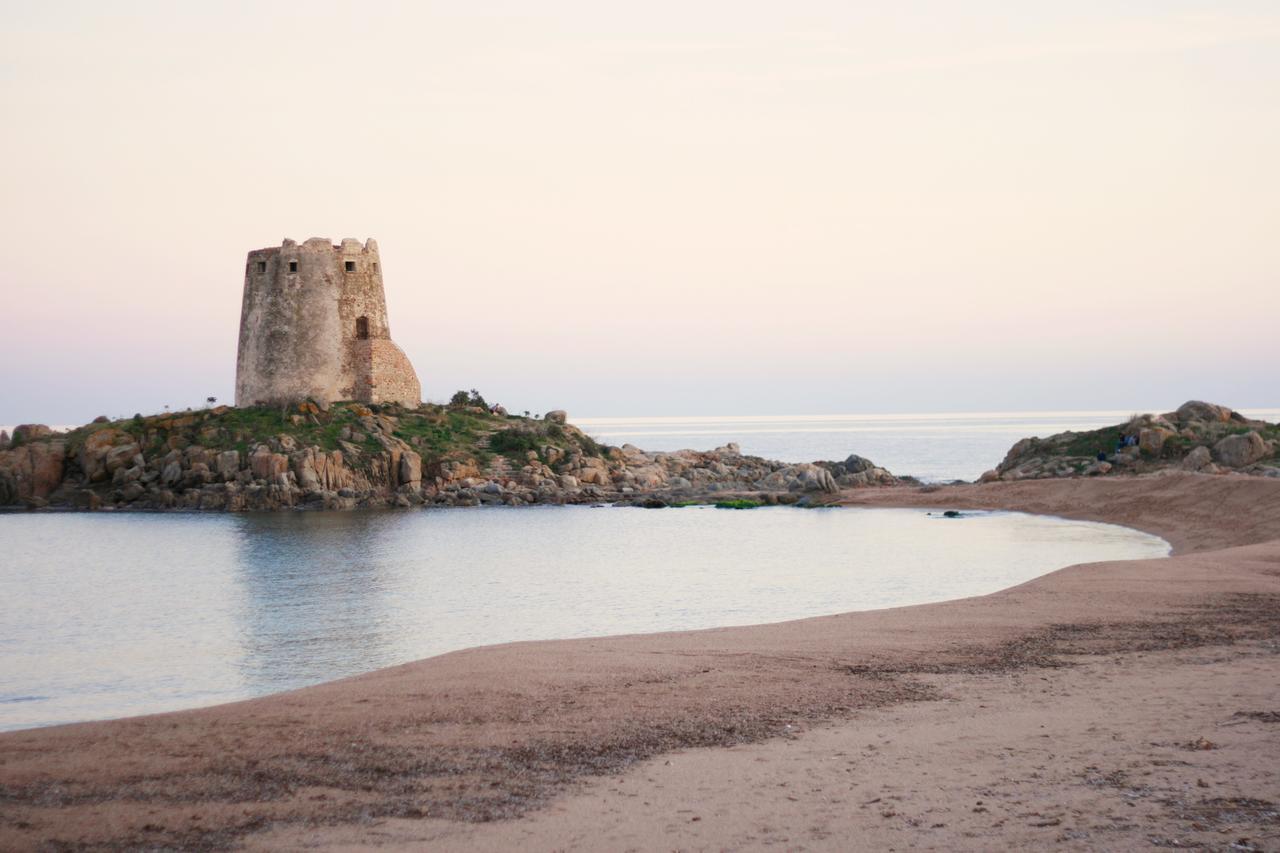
(715, 207)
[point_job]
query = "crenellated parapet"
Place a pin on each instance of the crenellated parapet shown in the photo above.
(309, 311)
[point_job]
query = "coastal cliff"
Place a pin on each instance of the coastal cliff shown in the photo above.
(349, 455)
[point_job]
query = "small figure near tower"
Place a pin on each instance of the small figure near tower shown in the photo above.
(313, 325)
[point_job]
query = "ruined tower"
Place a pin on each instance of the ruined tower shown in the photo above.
(313, 324)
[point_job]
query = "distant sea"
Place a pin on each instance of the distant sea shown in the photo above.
(933, 447)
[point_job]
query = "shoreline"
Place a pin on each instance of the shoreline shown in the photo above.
(499, 731)
(941, 589)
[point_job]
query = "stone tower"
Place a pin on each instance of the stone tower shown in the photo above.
(313, 324)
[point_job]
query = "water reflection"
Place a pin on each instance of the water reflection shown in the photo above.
(315, 592)
(107, 615)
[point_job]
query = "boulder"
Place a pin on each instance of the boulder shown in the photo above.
(557, 416)
(856, 464)
(227, 463)
(93, 453)
(197, 454)
(800, 478)
(1012, 458)
(86, 499)
(1197, 410)
(858, 471)
(304, 470)
(23, 433)
(172, 473)
(5, 440)
(123, 456)
(649, 477)
(1098, 468)
(1197, 460)
(317, 471)
(266, 465)
(598, 476)
(1151, 441)
(410, 469)
(31, 471)
(1237, 451)
(333, 474)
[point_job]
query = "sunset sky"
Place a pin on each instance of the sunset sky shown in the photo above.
(657, 208)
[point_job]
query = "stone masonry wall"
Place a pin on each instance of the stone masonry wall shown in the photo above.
(387, 376)
(305, 308)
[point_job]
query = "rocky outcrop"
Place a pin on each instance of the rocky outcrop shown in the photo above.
(1196, 411)
(857, 471)
(800, 478)
(1198, 436)
(31, 472)
(23, 433)
(92, 456)
(631, 474)
(345, 455)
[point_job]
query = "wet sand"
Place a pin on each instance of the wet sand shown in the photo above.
(1075, 709)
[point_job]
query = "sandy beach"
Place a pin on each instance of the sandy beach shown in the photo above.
(1103, 706)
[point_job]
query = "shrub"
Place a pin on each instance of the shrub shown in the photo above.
(515, 442)
(462, 399)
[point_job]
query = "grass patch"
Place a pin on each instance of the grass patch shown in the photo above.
(738, 503)
(443, 433)
(591, 447)
(516, 443)
(437, 432)
(1092, 443)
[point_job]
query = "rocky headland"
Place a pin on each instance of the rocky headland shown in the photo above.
(349, 456)
(1198, 437)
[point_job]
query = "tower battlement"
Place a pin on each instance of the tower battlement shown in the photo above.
(313, 324)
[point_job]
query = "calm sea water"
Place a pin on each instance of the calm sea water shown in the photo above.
(111, 615)
(933, 447)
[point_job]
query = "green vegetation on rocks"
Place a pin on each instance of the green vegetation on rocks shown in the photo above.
(346, 455)
(1198, 437)
(738, 503)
